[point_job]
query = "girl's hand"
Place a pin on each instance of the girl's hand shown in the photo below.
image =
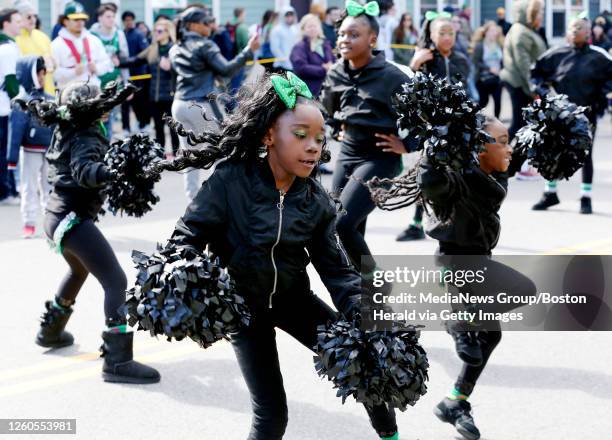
(115, 60)
(254, 43)
(391, 144)
(420, 57)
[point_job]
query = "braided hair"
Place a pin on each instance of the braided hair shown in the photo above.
(241, 132)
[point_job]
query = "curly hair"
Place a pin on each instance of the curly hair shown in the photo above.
(241, 133)
(80, 104)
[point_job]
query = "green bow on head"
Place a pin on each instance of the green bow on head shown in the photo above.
(432, 15)
(354, 9)
(288, 89)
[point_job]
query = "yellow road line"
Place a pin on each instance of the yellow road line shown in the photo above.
(73, 376)
(54, 364)
(588, 245)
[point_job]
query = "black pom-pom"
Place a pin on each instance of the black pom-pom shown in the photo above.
(557, 138)
(182, 293)
(130, 191)
(447, 125)
(374, 367)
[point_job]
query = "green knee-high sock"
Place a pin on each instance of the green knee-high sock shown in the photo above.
(585, 189)
(456, 395)
(118, 329)
(393, 437)
(61, 304)
(551, 186)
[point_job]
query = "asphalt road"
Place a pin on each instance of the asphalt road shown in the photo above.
(537, 386)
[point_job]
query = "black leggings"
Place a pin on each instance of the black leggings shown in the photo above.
(158, 110)
(86, 251)
(255, 347)
(357, 202)
(499, 278)
(493, 90)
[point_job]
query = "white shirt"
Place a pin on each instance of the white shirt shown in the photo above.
(66, 62)
(9, 52)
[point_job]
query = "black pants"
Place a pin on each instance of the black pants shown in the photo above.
(519, 100)
(499, 278)
(357, 202)
(159, 109)
(492, 89)
(140, 104)
(255, 348)
(86, 251)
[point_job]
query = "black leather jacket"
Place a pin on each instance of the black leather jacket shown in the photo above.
(474, 226)
(583, 74)
(196, 61)
(77, 171)
(265, 238)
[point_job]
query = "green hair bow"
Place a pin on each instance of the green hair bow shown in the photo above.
(289, 88)
(354, 9)
(432, 15)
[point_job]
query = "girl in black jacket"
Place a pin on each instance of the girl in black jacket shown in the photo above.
(267, 219)
(357, 95)
(466, 222)
(78, 175)
(436, 56)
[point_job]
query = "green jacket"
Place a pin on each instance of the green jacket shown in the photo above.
(242, 35)
(522, 47)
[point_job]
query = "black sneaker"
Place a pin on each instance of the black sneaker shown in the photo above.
(413, 232)
(466, 344)
(548, 199)
(458, 414)
(585, 205)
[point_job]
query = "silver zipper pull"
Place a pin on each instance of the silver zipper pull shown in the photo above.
(341, 249)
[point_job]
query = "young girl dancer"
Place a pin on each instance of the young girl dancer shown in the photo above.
(357, 95)
(472, 199)
(266, 219)
(436, 57)
(78, 175)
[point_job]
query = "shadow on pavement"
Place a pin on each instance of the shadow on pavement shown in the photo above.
(510, 376)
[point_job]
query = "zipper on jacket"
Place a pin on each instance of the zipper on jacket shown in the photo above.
(341, 249)
(280, 207)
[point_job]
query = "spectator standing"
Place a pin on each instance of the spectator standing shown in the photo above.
(283, 37)
(522, 47)
(600, 39)
(239, 32)
(264, 29)
(142, 27)
(78, 54)
(501, 20)
(406, 34)
(31, 41)
(487, 59)
(332, 15)
(312, 57)
(197, 61)
(116, 47)
(388, 23)
(29, 141)
(136, 42)
(10, 23)
(161, 92)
